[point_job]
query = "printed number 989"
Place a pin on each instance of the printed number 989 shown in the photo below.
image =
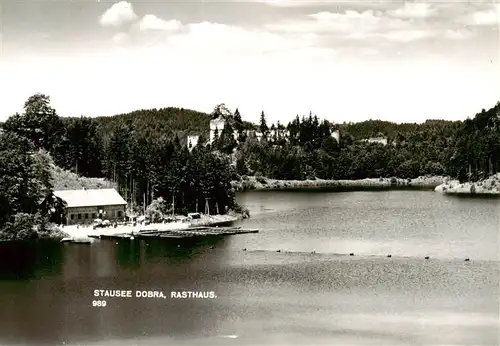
(99, 303)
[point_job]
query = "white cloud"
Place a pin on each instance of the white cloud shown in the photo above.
(330, 22)
(120, 37)
(296, 3)
(118, 14)
(372, 25)
(324, 4)
(348, 21)
(288, 70)
(357, 25)
(413, 10)
(219, 40)
(152, 22)
(480, 15)
(459, 34)
(407, 35)
(487, 17)
(215, 41)
(370, 51)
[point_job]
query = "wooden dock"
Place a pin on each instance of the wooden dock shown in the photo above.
(177, 234)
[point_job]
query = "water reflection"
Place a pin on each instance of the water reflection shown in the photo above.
(55, 305)
(128, 253)
(177, 251)
(403, 223)
(267, 297)
(28, 260)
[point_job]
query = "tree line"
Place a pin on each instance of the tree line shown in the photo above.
(146, 153)
(466, 150)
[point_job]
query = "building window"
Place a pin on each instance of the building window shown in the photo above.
(79, 216)
(93, 215)
(119, 213)
(72, 216)
(86, 215)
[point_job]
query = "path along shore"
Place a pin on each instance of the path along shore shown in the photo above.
(81, 232)
(84, 231)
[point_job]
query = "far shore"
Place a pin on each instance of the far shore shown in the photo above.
(261, 183)
(486, 187)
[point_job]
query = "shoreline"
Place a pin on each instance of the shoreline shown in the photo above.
(248, 183)
(486, 187)
(81, 233)
(55, 232)
(84, 232)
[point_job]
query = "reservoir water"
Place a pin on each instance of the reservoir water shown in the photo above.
(310, 292)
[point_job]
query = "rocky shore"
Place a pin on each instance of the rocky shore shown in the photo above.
(489, 186)
(262, 183)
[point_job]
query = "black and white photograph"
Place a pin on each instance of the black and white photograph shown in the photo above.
(249, 172)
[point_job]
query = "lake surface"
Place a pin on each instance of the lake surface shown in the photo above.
(267, 297)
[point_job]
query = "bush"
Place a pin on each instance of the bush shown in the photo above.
(157, 210)
(21, 227)
(261, 179)
(245, 185)
(245, 213)
(52, 231)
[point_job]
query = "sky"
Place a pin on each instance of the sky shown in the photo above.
(341, 60)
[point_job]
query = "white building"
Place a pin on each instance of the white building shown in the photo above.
(280, 134)
(216, 124)
(379, 140)
(336, 135)
(192, 141)
(83, 206)
(251, 133)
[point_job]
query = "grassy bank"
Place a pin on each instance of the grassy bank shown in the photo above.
(486, 187)
(261, 183)
(65, 180)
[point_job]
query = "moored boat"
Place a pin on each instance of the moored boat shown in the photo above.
(76, 240)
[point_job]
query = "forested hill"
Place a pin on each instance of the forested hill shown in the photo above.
(390, 130)
(169, 122)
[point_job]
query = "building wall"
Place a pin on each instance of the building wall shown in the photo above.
(336, 135)
(86, 215)
(257, 135)
(216, 124)
(193, 140)
(382, 141)
(280, 134)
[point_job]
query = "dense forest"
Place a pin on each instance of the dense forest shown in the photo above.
(145, 153)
